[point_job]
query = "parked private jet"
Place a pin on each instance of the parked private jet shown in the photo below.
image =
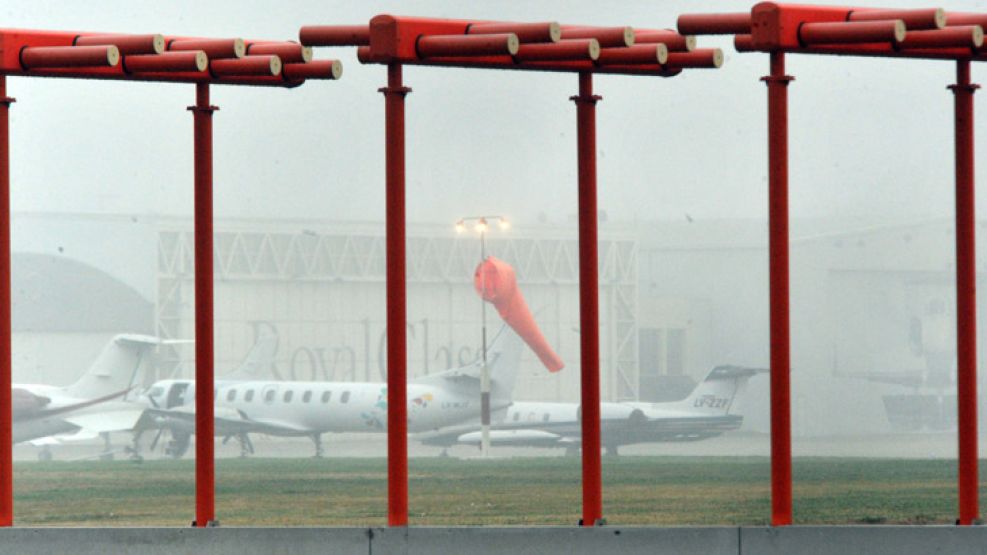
(310, 409)
(90, 406)
(708, 411)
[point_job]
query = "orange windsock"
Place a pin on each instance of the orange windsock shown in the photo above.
(495, 282)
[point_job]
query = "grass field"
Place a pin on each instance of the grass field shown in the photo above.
(344, 491)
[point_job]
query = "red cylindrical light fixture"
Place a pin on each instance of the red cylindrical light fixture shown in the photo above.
(246, 67)
(169, 61)
(127, 44)
(852, 32)
(637, 54)
(436, 46)
(526, 32)
(715, 24)
(608, 37)
(216, 49)
(672, 40)
(743, 43)
(968, 36)
(703, 58)
(335, 35)
(581, 49)
(289, 52)
(318, 69)
(959, 18)
(48, 57)
(915, 20)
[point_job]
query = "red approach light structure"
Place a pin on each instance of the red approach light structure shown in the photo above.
(585, 50)
(932, 33)
(154, 57)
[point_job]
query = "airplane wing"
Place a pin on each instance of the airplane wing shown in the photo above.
(227, 422)
(106, 421)
(53, 409)
(523, 437)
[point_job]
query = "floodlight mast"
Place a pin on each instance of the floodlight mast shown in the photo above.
(33, 53)
(778, 29)
(398, 41)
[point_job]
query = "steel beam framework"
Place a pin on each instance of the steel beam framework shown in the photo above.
(585, 50)
(931, 33)
(202, 61)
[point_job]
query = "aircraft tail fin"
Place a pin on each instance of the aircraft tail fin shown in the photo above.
(117, 368)
(504, 361)
(715, 395)
(260, 358)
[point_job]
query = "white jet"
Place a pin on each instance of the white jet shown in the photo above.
(93, 405)
(310, 409)
(708, 411)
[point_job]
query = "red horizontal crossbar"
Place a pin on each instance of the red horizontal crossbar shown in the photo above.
(334, 35)
(526, 32)
(714, 24)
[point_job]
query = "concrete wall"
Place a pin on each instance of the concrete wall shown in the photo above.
(727, 540)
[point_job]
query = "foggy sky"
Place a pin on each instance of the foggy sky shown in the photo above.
(868, 137)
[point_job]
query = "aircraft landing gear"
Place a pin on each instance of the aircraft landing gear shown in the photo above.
(178, 445)
(44, 455)
(319, 451)
(134, 449)
(107, 454)
(246, 446)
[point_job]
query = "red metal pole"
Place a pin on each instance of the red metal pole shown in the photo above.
(589, 312)
(966, 296)
(781, 427)
(205, 467)
(6, 412)
(397, 384)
